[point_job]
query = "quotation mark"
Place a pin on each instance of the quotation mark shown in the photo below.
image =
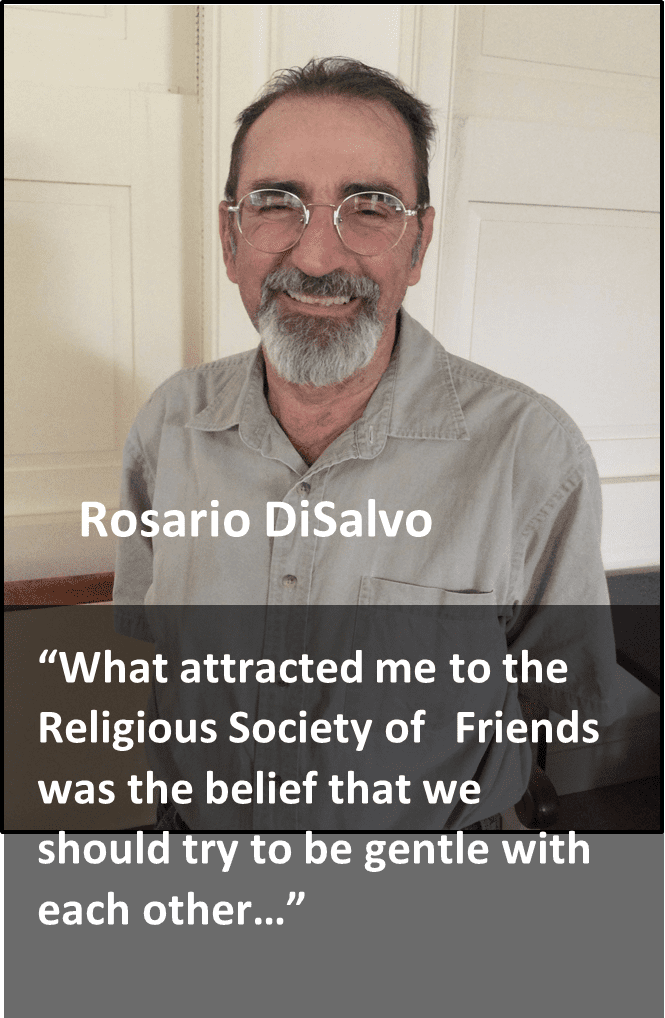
(42, 657)
(280, 922)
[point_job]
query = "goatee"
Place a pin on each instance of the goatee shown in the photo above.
(312, 349)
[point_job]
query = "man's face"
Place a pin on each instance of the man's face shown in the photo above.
(322, 149)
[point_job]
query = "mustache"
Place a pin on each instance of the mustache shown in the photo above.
(334, 284)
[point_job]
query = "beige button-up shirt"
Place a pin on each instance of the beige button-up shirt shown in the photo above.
(513, 495)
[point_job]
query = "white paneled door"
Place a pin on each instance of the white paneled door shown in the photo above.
(549, 264)
(102, 256)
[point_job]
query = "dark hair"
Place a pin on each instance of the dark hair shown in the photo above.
(341, 76)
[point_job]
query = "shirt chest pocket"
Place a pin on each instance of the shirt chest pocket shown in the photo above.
(419, 642)
(376, 591)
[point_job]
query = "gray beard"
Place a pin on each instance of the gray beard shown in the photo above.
(318, 351)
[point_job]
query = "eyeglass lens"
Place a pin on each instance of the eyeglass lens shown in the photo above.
(368, 223)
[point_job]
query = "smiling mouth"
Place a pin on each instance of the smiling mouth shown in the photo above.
(324, 302)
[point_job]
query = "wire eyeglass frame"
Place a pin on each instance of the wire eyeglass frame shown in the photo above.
(236, 209)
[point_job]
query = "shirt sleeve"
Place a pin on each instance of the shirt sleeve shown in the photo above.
(134, 558)
(563, 610)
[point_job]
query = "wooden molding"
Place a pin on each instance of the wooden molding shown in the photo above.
(59, 590)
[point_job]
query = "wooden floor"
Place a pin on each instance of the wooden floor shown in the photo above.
(634, 806)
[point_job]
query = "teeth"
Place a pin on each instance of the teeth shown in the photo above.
(321, 301)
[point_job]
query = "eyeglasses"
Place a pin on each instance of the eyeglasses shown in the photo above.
(369, 223)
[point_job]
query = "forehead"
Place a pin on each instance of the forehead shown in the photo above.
(326, 141)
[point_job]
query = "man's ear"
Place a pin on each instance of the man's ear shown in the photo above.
(228, 239)
(427, 226)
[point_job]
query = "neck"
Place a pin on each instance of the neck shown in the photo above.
(313, 417)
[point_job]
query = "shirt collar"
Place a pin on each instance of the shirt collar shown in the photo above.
(423, 402)
(415, 399)
(241, 390)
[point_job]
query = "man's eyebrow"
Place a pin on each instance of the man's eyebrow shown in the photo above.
(381, 186)
(270, 184)
(353, 187)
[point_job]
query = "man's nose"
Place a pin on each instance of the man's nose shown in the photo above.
(320, 249)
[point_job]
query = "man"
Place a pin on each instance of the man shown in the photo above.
(423, 483)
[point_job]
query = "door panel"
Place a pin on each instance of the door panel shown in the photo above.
(103, 225)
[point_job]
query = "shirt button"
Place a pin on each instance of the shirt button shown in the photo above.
(289, 581)
(303, 488)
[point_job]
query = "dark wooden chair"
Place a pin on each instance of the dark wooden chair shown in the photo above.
(635, 606)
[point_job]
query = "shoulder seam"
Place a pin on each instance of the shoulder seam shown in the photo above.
(460, 366)
(220, 364)
(573, 480)
(135, 438)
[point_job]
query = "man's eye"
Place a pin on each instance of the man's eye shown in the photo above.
(371, 211)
